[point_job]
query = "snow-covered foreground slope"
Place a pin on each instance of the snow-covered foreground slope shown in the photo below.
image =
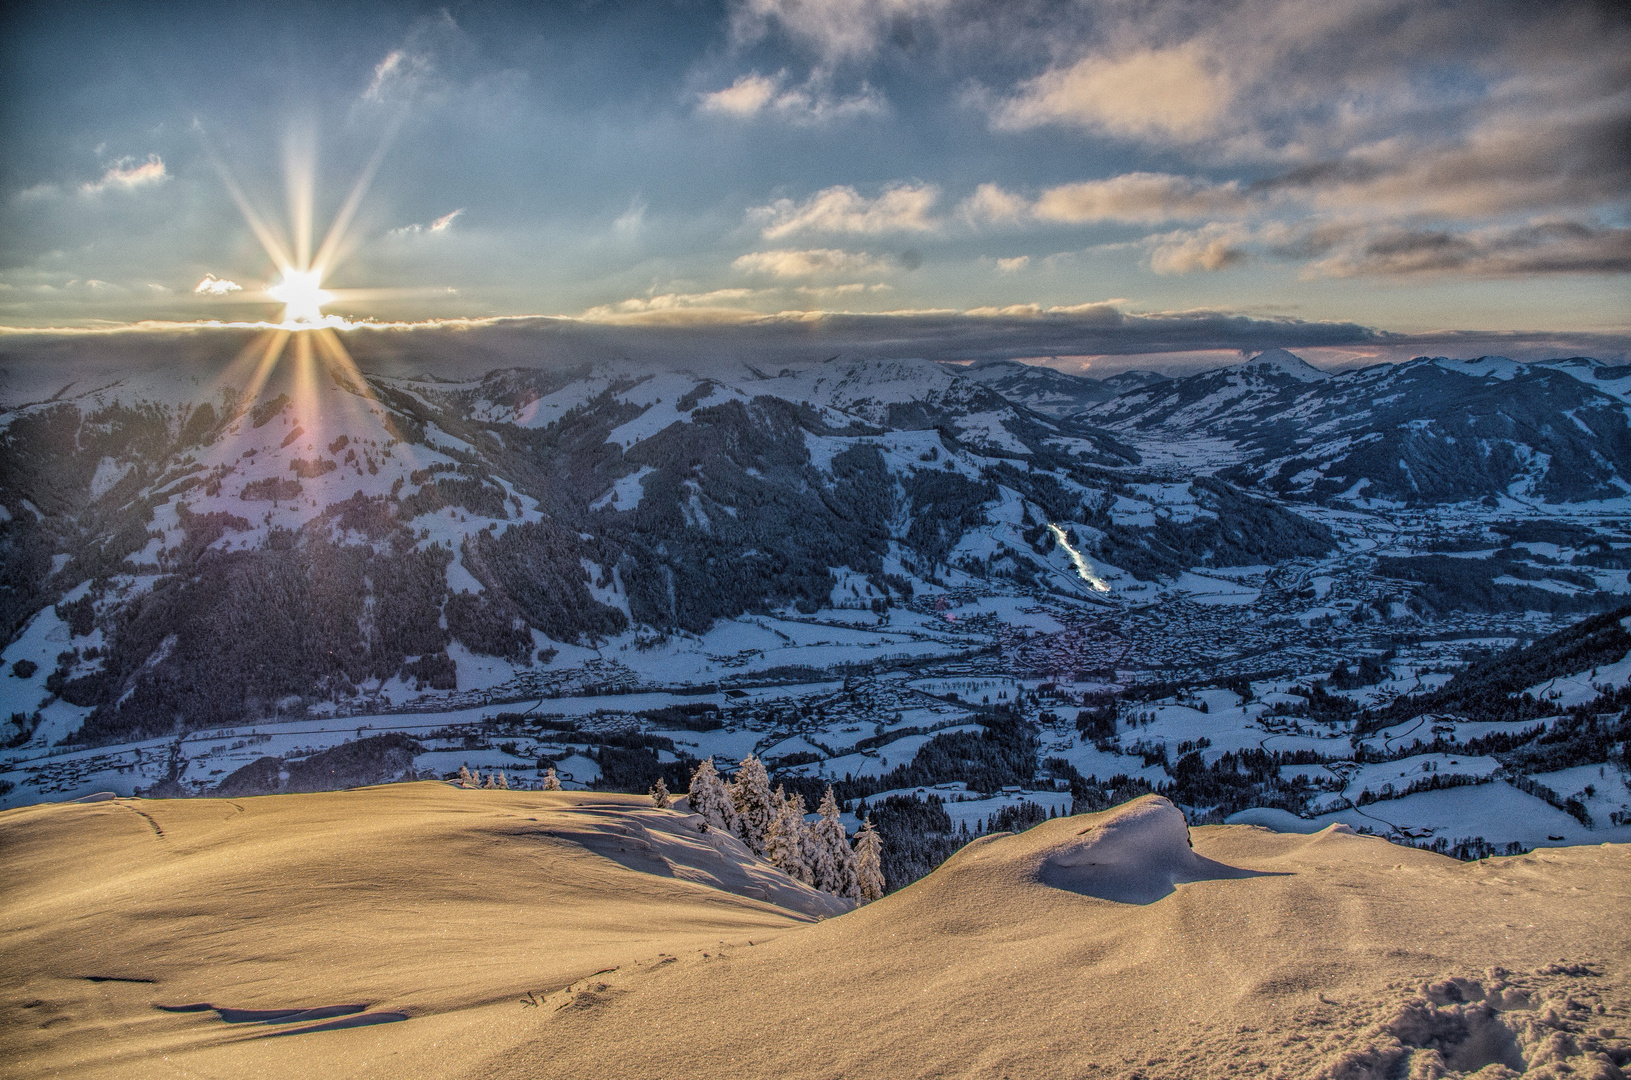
(424, 932)
(414, 903)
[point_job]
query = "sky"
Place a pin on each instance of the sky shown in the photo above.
(1068, 178)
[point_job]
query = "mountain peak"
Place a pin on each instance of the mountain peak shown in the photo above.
(1281, 362)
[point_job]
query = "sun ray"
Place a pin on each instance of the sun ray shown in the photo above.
(300, 182)
(305, 343)
(276, 340)
(330, 251)
(274, 246)
(341, 367)
(358, 397)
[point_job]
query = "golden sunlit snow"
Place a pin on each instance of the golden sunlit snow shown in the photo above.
(422, 930)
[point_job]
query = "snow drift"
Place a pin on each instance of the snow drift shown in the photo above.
(1137, 855)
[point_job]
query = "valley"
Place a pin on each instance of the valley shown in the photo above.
(887, 576)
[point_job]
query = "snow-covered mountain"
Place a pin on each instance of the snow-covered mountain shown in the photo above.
(328, 537)
(1280, 362)
(344, 544)
(1428, 431)
(1051, 392)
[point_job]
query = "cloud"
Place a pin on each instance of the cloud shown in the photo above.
(1139, 196)
(755, 95)
(991, 204)
(633, 219)
(836, 31)
(815, 262)
(720, 304)
(1017, 330)
(384, 72)
(1546, 247)
(399, 75)
(903, 208)
(214, 286)
(1013, 265)
(1105, 335)
(412, 69)
(1132, 197)
(1214, 247)
(1147, 92)
(440, 225)
(1464, 111)
(1500, 164)
(1381, 138)
(128, 175)
(745, 97)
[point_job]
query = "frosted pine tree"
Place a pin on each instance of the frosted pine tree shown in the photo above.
(834, 871)
(756, 805)
(551, 781)
(812, 848)
(710, 799)
(785, 840)
(659, 795)
(868, 863)
(502, 782)
(464, 776)
(491, 783)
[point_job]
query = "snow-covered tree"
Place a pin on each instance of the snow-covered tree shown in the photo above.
(868, 863)
(502, 781)
(551, 781)
(786, 838)
(834, 869)
(710, 799)
(491, 782)
(756, 805)
(812, 846)
(464, 777)
(659, 795)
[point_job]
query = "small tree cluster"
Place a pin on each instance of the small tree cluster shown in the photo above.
(772, 825)
(496, 779)
(551, 781)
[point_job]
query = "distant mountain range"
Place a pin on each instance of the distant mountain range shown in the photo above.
(322, 533)
(1425, 432)
(1052, 392)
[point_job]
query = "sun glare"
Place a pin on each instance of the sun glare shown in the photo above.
(305, 337)
(302, 296)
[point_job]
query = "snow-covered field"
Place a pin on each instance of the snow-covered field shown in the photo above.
(423, 932)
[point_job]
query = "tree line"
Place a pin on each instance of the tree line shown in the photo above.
(772, 826)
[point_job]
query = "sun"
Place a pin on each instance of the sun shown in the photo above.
(302, 296)
(305, 334)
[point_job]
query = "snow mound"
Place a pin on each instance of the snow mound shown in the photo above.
(1136, 854)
